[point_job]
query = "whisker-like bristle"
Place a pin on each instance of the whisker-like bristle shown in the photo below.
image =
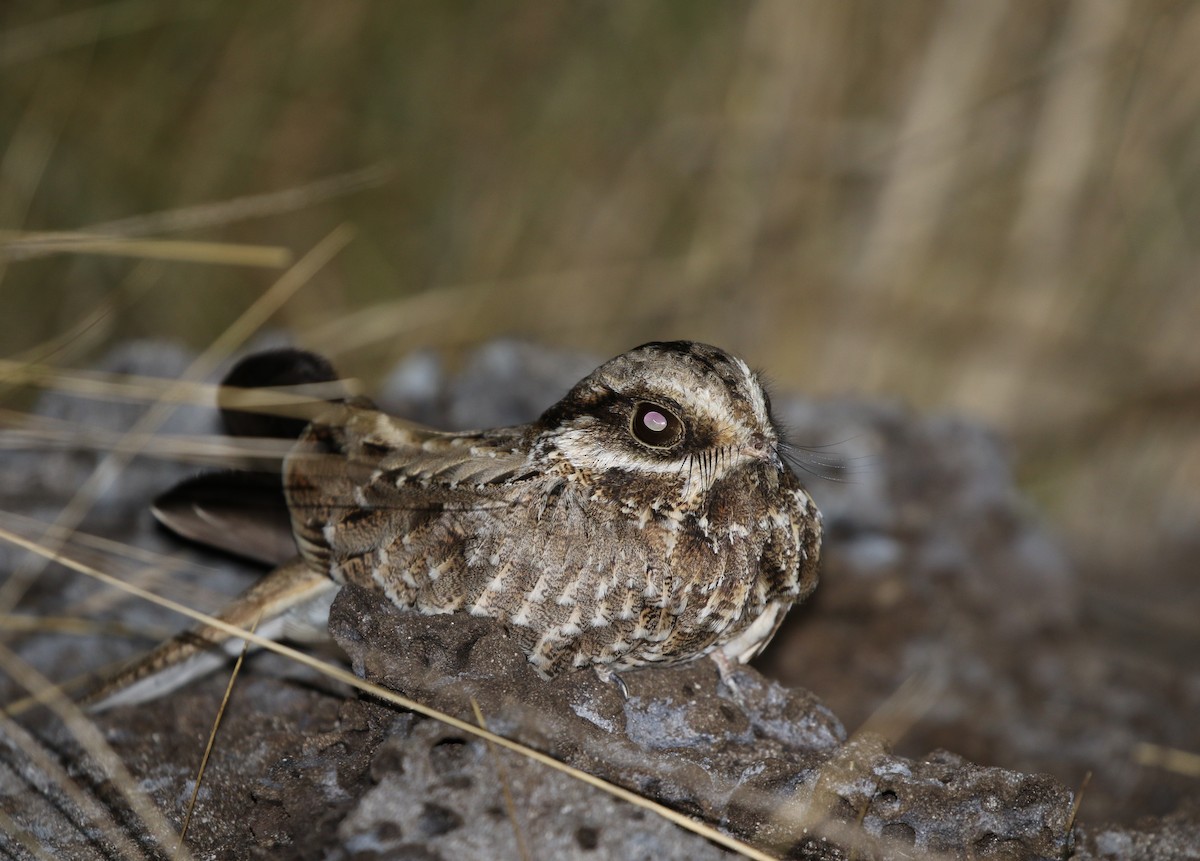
(823, 466)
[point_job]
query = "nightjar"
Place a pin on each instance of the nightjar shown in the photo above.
(646, 518)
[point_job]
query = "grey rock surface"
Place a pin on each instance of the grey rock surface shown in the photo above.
(766, 763)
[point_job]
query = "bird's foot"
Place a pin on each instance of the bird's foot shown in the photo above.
(727, 669)
(607, 675)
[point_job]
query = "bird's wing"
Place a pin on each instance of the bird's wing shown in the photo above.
(360, 480)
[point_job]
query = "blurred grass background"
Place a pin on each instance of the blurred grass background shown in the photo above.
(988, 208)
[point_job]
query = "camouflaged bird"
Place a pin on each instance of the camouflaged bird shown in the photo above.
(646, 518)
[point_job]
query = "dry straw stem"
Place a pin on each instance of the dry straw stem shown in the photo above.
(566, 301)
(71, 625)
(212, 735)
(509, 804)
(168, 563)
(79, 29)
(1083, 785)
(131, 387)
(919, 183)
(1172, 759)
(806, 813)
(92, 740)
(154, 569)
(22, 836)
(178, 448)
(82, 682)
(250, 321)
(905, 706)
(56, 776)
(225, 212)
(297, 401)
(93, 327)
(345, 676)
(23, 246)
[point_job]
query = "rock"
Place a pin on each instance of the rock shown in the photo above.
(768, 764)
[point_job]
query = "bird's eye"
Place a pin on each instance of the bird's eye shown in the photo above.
(655, 425)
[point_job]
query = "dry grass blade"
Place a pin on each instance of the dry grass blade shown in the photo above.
(100, 384)
(906, 705)
(198, 450)
(914, 198)
(212, 737)
(155, 569)
(509, 804)
(384, 321)
(79, 337)
(345, 676)
(1068, 136)
(25, 246)
(1172, 759)
(62, 625)
(95, 325)
(19, 706)
(58, 777)
(1083, 785)
(443, 307)
(12, 829)
(250, 206)
(31, 432)
(92, 740)
(109, 468)
(864, 808)
(809, 812)
(77, 29)
(29, 525)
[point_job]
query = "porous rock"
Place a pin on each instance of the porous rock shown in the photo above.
(766, 763)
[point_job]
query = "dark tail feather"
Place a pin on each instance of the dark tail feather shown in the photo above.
(244, 513)
(285, 367)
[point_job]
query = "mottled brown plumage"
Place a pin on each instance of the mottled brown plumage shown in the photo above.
(594, 546)
(647, 517)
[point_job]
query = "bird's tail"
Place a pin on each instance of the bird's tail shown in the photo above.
(292, 602)
(268, 398)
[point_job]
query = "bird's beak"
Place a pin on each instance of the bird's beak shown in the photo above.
(763, 448)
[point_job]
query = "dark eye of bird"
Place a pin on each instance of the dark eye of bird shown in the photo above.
(655, 425)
